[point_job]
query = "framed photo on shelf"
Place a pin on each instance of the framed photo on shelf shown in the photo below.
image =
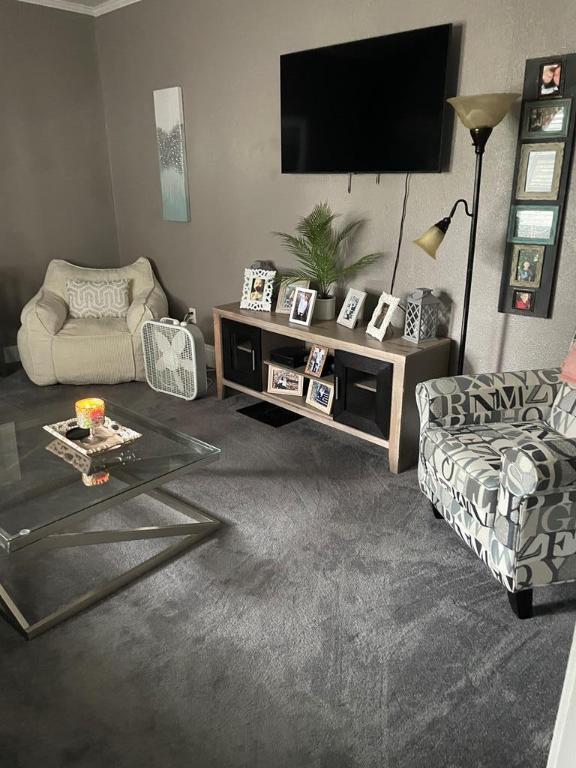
(536, 224)
(286, 294)
(527, 266)
(540, 170)
(320, 395)
(284, 382)
(316, 360)
(352, 307)
(550, 79)
(523, 300)
(382, 316)
(546, 119)
(303, 306)
(257, 290)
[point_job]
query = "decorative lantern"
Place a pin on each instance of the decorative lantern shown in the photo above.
(421, 316)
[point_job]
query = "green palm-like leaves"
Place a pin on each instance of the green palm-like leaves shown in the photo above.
(320, 250)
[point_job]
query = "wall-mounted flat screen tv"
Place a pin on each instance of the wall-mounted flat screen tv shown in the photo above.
(371, 106)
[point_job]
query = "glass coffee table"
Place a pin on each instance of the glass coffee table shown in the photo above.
(44, 496)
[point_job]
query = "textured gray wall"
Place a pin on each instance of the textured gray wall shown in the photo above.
(55, 190)
(225, 56)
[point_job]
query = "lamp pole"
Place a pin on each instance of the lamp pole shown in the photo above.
(479, 138)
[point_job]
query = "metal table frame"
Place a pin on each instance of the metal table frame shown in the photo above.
(56, 536)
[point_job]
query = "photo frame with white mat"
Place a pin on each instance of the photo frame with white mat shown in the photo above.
(286, 294)
(303, 306)
(352, 308)
(382, 316)
(320, 395)
(540, 169)
(257, 290)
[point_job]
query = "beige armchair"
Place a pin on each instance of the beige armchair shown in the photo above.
(56, 348)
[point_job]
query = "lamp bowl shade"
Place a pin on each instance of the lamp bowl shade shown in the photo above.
(431, 240)
(485, 110)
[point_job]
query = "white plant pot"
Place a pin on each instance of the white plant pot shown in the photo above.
(325, 309)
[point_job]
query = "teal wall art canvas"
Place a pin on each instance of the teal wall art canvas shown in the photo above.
(169, 111)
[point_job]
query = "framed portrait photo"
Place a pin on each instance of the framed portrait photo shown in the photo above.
(526, 269)
(352, 307)
(286, 294)
(540, 170)
(523, 301)
(550, 79)
(546, 119)
(285, 382)
(257, 290)
(316, 360)
(382, 316)
(302, 306)
(535, 224)
(320, 395)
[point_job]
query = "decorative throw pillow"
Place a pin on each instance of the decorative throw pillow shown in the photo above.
(568, 373)
(97, 298)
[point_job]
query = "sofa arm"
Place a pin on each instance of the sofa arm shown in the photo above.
(149, 305)
(536, 515)
(486, 397)
(45, 312)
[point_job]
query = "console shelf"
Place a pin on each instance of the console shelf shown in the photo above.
(386, 372)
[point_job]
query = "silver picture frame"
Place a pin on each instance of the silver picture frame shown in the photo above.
(540, 171)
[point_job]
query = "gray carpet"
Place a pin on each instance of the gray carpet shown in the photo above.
(332, 623)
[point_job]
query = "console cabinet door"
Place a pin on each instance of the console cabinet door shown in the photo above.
(363, 393)
(242, 354)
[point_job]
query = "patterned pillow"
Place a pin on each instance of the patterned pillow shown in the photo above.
(97, 298)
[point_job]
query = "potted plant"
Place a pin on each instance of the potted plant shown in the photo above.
(320, 250)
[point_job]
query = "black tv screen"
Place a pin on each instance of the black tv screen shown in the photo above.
(371, 106)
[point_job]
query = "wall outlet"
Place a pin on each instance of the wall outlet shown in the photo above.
(191, 315)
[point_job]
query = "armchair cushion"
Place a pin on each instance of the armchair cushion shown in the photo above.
(97, 298)
(146, 305)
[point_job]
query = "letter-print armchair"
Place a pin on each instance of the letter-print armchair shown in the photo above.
(498, 463)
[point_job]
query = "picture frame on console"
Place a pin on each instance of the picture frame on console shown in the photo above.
(303, 306)
(352, 307)
(286, 294)
(284, 382)
(257, 290)
(316, 360)
(382, 316)
(320, 395)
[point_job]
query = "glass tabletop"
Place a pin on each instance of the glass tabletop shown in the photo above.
(42, 481)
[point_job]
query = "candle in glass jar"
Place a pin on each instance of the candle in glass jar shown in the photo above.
(90, 412)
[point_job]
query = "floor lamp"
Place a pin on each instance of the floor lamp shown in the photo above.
(480, 114)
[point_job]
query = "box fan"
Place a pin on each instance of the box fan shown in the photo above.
(174, 358)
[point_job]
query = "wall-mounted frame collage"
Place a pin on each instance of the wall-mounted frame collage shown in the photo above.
(540, 187)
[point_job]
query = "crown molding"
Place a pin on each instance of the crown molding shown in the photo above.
(67, 5)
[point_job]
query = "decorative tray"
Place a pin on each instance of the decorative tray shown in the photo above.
(109, 436)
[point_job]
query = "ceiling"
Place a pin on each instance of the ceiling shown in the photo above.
(87, 7)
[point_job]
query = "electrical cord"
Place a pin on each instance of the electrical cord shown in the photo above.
(401, 232)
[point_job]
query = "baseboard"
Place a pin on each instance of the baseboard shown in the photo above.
(210, 356)
(11, 355)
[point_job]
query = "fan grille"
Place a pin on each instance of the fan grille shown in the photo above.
(170, 359)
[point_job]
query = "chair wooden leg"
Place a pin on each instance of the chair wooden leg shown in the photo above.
(435, 512)
(521, 603)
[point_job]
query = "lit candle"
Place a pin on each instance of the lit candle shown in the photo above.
(90, 414)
